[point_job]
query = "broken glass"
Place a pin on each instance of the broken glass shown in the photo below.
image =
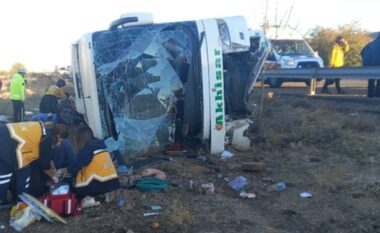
(142, 73)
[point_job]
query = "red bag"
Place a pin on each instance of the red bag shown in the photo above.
(64, 204)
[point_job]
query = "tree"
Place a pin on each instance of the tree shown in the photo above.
(15, 68)
(321, 40)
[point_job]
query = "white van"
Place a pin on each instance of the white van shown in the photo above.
(292, 51)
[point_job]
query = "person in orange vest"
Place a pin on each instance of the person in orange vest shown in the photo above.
(336, 59)
(92, 169)
(18, 95)
(25, 145)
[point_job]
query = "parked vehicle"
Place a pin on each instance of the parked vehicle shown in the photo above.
(148, 85)
(290, 51)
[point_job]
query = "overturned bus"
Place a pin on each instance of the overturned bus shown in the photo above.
(143, 86)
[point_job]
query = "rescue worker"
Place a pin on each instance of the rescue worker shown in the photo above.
(23, 145)
(336, 60)
(18, 95)
(49, 102)
(64, 154)
(92, 168)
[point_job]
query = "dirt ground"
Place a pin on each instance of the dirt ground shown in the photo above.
(326, 145)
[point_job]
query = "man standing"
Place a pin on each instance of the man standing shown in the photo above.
(371, 57)
(336, 60)
(18, 95)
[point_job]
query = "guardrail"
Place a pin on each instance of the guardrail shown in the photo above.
(350, 73)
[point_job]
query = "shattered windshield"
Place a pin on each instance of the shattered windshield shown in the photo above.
(141, 77)
(292, 47)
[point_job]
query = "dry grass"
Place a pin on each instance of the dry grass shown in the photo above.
(290, 120)
(330, 178)
(364, 123)
(356, 145)
(179, 216)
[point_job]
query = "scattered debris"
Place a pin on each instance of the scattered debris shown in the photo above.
(208, 188)
(121, 202)
(253, 167)
(226, 155)
(306, 195)
(238, 183)
(276, 187)
(147, 214)
(155, 225)
(22, 215)
(152, 184)
(40, 209)
(238, 131)
(89, 202)
(152, 172)
(155, 207)
(129, 182)
(270, 95)
(243, 194)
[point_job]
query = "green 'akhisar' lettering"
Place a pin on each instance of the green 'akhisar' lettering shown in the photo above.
(219, 90)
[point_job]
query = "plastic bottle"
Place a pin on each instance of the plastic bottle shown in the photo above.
(276, 187)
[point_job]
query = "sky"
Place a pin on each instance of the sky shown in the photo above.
(39, 33)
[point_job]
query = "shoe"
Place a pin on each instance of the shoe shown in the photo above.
(340, 92)
(325, 91)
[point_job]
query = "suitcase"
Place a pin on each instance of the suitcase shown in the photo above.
(63, 204)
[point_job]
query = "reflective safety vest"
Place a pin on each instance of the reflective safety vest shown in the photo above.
(101, 168)
(17, 88)
(28, 137)
(336, 55)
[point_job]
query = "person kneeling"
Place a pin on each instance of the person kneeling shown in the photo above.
(25, 147)
(92, 169)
